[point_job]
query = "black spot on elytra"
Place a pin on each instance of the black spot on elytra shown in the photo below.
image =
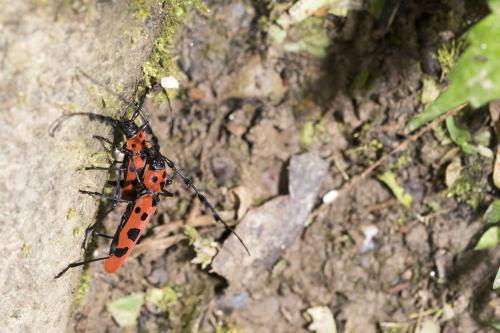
(144, 216)
(143, 142)
(134, 145)
(119, 252)
(154, 179)
(140, 135)
(137, 210)
(133, 233)
(132, 168)
(164, 174)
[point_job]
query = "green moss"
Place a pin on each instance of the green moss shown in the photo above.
(401, 161)
(141, 8)
(373, 146)
(469, 187)
(433, 204)
(83, 288)
(71, 213)
(465, 192)
(26, 250)
(223, 327)
(100, 158)
(77, 231)
(161, 63)
(308, 36)
(448, 54)
(306, 135)
(163, 298)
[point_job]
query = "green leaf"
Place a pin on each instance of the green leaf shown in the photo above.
(322, 320)
(496, 283)
(205, 248)
(494, 5)
(492, 214)
(161, 298)
(494, 323)
(489, 239)
(125, 310)
(389, 178)
(462, 137)
(475, 79)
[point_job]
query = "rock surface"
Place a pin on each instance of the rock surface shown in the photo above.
(41, 46)
(270, 229)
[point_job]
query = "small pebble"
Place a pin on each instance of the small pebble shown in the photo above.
(169, 82)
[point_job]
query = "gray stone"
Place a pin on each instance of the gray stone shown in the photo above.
(271, 228)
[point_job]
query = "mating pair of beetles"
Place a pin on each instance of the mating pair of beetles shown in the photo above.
(142, 179)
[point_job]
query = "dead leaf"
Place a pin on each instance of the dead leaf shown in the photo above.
(453, 171)
(496, 169)
(196, 93)
(495, 116)
(322, 320)
(245, 200)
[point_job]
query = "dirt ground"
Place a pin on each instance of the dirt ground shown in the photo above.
(245, 109)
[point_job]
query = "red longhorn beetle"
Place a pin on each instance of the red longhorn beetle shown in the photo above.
(133, 150)
(140, 158)
(140, 212)
(131, 226)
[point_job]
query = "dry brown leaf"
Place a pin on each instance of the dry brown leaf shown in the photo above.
(453, 171)
(496, 169)
(245, 200)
